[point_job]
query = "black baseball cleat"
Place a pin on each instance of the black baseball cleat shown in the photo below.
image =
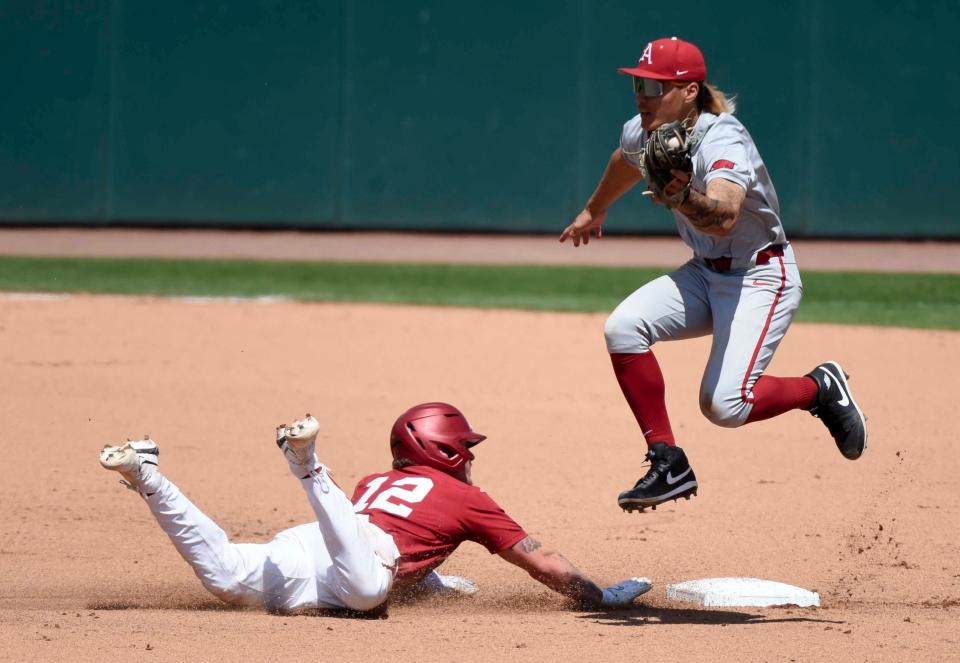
(838, 411)
(670, 477)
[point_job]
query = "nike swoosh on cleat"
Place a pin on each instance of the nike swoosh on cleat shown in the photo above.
(672, 479)
(844, 402)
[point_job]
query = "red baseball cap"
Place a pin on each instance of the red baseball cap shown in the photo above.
(670, 59)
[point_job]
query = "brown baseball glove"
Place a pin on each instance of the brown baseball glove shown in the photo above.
(668, 149)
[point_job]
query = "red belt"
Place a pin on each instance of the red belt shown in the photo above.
(763, 257)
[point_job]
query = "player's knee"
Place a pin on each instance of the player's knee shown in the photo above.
(625, 334)
(365, 603)
(224, 577)
(723, 409)
(224, 586)
(364, 596)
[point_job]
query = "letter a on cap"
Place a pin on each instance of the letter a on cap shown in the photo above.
(647, 54)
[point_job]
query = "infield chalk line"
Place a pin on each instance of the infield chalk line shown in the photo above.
(58, 296)
(34, 296)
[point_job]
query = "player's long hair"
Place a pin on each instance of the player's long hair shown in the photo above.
(712, 99)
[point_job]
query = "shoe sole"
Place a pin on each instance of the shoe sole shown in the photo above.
(296, 439)
(123, 458)
(299, 434)
(843, 376)
(686, 491)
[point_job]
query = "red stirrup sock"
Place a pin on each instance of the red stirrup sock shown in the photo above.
(642, 384)
(773, 396)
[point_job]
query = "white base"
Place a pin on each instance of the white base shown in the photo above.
(742, 593)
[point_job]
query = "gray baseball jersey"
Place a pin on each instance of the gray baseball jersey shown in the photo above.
(747, 308)
(723, 149)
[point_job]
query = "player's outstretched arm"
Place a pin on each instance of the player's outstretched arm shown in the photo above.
(618, 178)
(553, 570)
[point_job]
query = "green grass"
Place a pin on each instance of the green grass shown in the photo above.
(907, 300)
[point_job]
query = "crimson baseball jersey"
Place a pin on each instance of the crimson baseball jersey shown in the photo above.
(429, 513)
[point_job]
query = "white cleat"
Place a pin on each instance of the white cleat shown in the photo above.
(297, 441)
(134, 460)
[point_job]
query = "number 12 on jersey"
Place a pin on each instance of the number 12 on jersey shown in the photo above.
(398, 492)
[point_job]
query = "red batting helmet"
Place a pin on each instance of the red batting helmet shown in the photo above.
(436, 435)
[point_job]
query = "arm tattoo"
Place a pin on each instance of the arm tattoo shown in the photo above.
(554, 571)
(706, 213)
(716, 212)
(529, 544)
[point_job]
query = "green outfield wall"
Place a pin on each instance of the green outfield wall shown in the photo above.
(444, 115)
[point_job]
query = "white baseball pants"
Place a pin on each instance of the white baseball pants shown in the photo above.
(748, 311)
(340, 561)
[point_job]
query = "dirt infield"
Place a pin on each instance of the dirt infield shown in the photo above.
(87, 576)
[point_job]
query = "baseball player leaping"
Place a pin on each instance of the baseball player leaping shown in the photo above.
(401, 525)
(742, 284)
